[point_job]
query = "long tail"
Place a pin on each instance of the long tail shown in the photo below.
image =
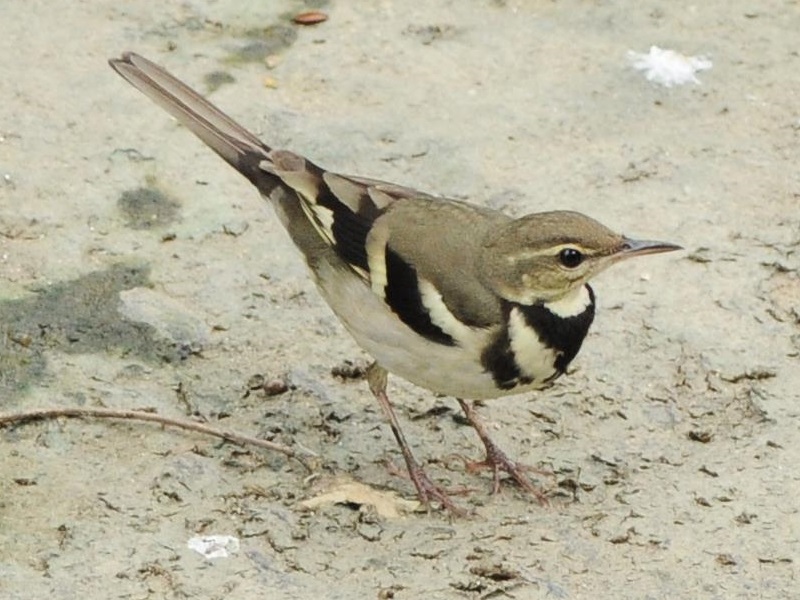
(323, 212)
(237, 146)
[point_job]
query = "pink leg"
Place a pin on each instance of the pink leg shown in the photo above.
(427, 491)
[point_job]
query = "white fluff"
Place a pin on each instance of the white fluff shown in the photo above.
(214, 546)
(668, 67)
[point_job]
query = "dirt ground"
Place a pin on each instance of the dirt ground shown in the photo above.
(138, 271)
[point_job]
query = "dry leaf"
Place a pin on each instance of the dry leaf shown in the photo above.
(342, 490)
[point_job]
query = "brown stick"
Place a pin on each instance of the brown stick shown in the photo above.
(137, 415)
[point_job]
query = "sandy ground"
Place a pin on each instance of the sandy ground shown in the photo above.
(138, 271)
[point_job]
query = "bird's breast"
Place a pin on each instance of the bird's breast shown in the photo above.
(538, 341)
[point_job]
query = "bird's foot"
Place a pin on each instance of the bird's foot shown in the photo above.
(496, 459)
(428, 491)
(498, 462)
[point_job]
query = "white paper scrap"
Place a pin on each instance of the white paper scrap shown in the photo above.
(214, 546)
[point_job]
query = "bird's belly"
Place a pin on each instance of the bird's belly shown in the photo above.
(444, 370)
(450, 370)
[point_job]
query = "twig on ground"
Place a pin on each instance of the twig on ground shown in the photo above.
(138, 415)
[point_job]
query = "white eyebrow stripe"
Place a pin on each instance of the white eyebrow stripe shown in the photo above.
(549, 251)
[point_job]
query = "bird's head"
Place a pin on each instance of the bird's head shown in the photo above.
(544, 256)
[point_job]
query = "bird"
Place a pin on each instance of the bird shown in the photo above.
(456, 298)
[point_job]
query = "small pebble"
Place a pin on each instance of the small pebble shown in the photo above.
(311, 17)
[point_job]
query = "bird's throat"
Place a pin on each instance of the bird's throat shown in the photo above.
(573, 304)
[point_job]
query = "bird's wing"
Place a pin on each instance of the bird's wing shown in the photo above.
(417, 252)
(423, 258)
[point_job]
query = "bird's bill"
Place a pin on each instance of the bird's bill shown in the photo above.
(641, 247)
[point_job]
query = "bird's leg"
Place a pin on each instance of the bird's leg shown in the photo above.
(496, 459)
(377, 378)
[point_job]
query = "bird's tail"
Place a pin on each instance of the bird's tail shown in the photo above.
(323, 211)
(237, 146)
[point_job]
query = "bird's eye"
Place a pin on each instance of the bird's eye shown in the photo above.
(570, 257)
